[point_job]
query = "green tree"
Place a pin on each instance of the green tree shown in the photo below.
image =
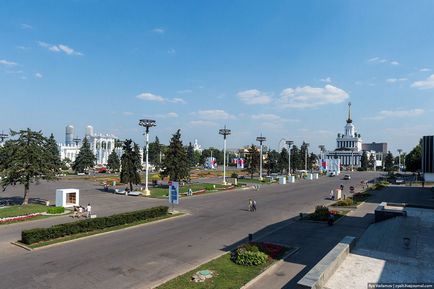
(312, 158)
(304, 149)
(176, 165)
(215, 153)
(271, 164)
(252, 160)
(282, 162)
(85, 159)
(371, 162)
(155, 152)
(54, 153)
(130, 164)
(190, 156)
(113, 162)
(413, 160)
(296, 159)
(27, 159)
(388, 162)
(364, 161)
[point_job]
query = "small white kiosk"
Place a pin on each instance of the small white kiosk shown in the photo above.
(67, 197)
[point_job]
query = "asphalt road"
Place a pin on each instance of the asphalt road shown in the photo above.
(143, 256)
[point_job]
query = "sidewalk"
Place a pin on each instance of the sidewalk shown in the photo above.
(314, 241)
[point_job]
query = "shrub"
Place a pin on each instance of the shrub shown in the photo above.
(344, 203)
(234, 175)
(57, 231)
(245, 257)
(321, 213)
(55, 210)
(209, 187)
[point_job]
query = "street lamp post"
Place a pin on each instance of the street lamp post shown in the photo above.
(224, 132)
(260, 139)
(322, 149)
(289, 143)
(305, 155)
(399, 159)
(147, 123)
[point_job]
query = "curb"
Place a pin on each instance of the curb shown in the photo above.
(254, 280)
(96, 235)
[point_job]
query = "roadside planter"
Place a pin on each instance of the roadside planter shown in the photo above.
(19, 218)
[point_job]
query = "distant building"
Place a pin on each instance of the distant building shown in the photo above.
(197, 147)
(102, 145)
(428, 158)
(348, 145)
(377, 147)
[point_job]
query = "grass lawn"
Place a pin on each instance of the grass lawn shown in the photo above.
(248, 180)
(163, 192)
(82, 235)
(20, 210)
(228, 275)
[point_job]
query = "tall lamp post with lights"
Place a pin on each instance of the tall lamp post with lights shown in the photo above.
(147, 123)
(399, 159)
(260, 139)
(306, 145)
(289, 143)
(224, 132)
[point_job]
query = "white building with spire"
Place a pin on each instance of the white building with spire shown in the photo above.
(348, 145)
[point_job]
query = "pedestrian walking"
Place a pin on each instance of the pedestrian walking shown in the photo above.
(250, 205)
(189, 192)
(88, 210)
(254, 205)
(331, 219)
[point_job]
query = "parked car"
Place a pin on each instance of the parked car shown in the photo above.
(332, 174)
(399, 181)
(347, 177)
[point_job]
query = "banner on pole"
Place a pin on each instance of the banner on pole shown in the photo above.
(174, 193)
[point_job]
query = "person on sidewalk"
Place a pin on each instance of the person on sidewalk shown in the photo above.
(254, 206)
(331, 219)
(250, 205)
(88, 211)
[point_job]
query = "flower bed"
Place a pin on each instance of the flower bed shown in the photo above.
(19, 218)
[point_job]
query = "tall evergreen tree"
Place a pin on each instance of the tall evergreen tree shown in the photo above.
(371, 163)
(155, 153)
(113, 162)
(312, 158)
(85, 159)
(176, 165)
(27, 159)
(252, 160)
(282, 162)
(130, 164)
(388, 162)
(54, 153)
(413, 160)
(271, 164)
(190, 155)
(296, 159)
(364, 161)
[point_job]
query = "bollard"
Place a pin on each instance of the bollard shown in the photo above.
(250, 237)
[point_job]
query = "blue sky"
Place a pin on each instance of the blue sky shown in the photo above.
(283, 68)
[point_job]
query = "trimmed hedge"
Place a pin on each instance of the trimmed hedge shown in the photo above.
(57, 231)
(55, 210)
(249, 255)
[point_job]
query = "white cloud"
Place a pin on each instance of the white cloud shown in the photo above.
(159, 30)
(310, 97)
(424, 84)
(172, 114)
(254, 96)
(424, 69)
(394, 80)
(38, 75)
(20, 47)
(60, 48)
(147, 96)
(397, 114)
(214, 114)
(203, 123)
(26, 26)
(382, 60)
(7, 63)
(171, 51)
(266, 116)
(128, 113)
(326, 80)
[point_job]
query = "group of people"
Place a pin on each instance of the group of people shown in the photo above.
(80, 211)
(252, 205)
